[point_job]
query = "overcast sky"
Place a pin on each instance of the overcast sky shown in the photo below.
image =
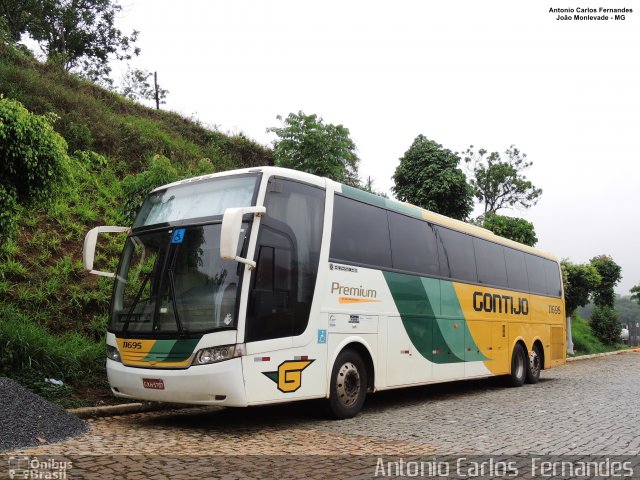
(484, 73)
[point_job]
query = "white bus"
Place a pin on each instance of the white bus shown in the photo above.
(268, 285)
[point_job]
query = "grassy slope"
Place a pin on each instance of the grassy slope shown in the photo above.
(585, 342)
(53, 315)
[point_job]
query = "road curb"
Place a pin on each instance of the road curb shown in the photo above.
(598, 355)
(122, 409)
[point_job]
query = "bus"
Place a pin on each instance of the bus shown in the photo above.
(266, 285)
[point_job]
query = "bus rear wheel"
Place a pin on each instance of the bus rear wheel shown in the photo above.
(519, 367)
(348, 385)
(534, 364)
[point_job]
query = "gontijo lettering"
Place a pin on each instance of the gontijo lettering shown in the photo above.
(496, 303)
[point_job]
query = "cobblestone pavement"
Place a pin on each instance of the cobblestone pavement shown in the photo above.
(590, 407)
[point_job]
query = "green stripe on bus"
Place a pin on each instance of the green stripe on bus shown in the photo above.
(363, 196)
(171, 350)
(450, 298)
(418, 300)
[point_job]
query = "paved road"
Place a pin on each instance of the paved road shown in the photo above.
(583, 408)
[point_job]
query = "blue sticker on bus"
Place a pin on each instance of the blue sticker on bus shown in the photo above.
(322, 336)
(178, 236)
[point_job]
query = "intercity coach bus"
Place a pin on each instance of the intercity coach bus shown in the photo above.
(268, 285)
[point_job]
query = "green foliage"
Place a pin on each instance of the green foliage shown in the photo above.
(580, 281)
(136, 187)
(32, 154)
(81, 34)
(605, 325)
(516, 229)
(499, 183)
(428, 176)
(584, 341)
(610, 273)
(307, 144)
(32, 159)
(15, 16)
(24, 345)
(635, 293)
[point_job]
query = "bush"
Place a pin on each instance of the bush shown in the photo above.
(605, 325)
(33, 159)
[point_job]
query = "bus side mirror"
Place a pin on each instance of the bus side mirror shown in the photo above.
(230, 232)
(89, 249)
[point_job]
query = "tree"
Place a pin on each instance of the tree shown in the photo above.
(635, 293)
(17, 15)
(136, 85)
(81, 34)
(307, 144)
(610, 273)
(33, 159)
(580, 281)
(499, 183)
(428, 176)
(516, 229)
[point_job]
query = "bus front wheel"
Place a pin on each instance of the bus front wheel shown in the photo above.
(519, 367)
(348, 385)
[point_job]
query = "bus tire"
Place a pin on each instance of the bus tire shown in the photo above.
(534, 365)
(348, 387)
(519, 368)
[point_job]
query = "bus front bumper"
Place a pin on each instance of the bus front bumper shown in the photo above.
(215, 384)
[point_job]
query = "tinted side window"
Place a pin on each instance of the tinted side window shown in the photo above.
(413, 245)
(552, 273)
(535, 272)
(490, 263)
(287, 257)
(458, 259)
(516, 269)
(360, 234)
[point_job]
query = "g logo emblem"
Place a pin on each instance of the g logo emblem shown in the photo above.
(289, 375)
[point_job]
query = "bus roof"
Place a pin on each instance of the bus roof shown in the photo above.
(357, 194)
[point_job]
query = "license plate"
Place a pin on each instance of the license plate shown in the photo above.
(153, 383)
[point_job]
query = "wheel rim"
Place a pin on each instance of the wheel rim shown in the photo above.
(519, 366)
(534, 363)
(348, 384)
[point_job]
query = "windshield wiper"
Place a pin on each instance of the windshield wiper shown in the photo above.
(172, 288)
(135, 302)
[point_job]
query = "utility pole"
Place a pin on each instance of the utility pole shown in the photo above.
(155, 82)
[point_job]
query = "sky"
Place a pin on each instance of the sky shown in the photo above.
(488, 73)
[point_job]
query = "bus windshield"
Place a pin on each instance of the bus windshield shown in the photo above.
(173, 281)
(205, 198)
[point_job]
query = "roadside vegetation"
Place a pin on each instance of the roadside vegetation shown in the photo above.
(584, 340)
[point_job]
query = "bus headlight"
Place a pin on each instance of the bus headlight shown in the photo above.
(218, 354)
(113, 353)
